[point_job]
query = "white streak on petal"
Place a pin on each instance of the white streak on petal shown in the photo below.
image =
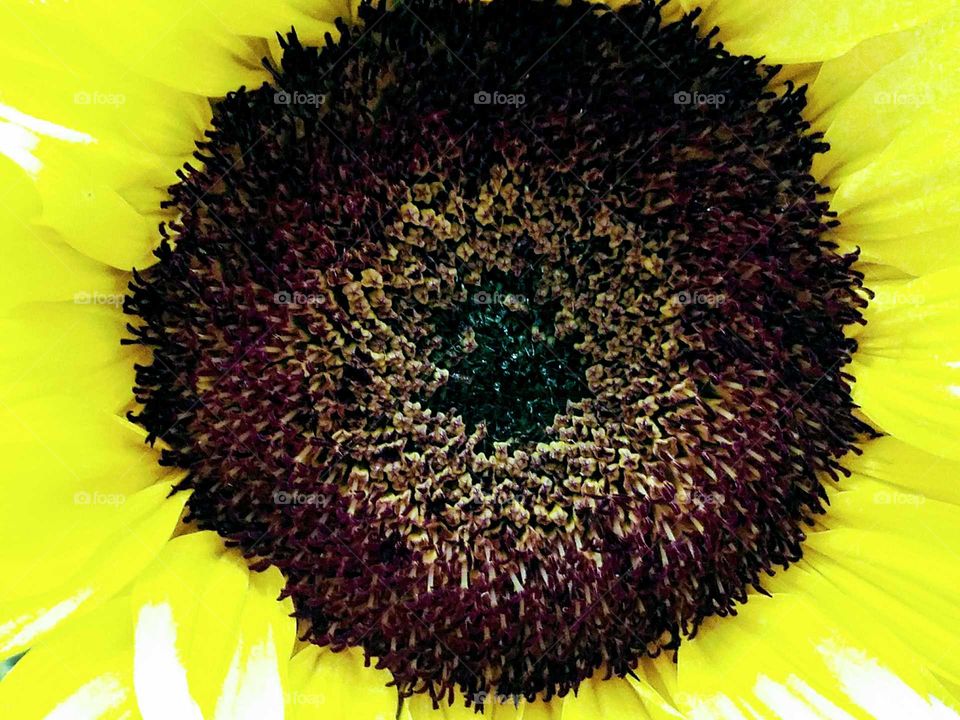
(43, 127)
(787, 703)
(28, 627)
(18, 144)
(20, 133)
(159, 676)
(783, 702)
(91, 700)
(877, 690)
(718, 707)
(252, 690)
(823, 706)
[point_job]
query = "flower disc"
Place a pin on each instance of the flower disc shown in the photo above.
(508, 332)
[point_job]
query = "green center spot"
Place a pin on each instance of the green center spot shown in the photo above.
(507, 370)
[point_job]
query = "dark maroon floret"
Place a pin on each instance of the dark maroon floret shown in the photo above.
(508, 331)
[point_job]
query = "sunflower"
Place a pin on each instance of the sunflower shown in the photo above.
(514, 358)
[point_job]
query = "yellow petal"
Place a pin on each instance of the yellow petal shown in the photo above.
(257, 19)
(660, 673)
(212, 641)
(65, 78)
(119, 548)
(83, 671)
(616, 697)
(77, 189)
(908, 90)
(901, 609)
(537, 710)
(840, 77)
(35, 263)
(904, 468)
(874, 659)
(64, 446)
(78, 186)
(896, 510)
(890, 539)
(907, 367)
(168, 43)
(875, 273)
(672, 11)
(812, 30)
(93, 217)
(108, 140)
(39, 266)
(72, 474)
(256, 683)
(902, 208)
(109, 78)
(337, 686)
(70, 349)
(139, 177)
(794, 655)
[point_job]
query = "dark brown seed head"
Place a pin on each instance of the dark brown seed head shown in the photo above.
(508, 332)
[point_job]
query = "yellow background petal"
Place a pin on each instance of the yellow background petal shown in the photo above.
(337, 686)
(796, 32)
(203, 625)
(907, 367)
(118, 550)
(83, 671)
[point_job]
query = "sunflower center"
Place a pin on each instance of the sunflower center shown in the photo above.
(508, 331)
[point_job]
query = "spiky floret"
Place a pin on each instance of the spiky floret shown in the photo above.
(510, 390)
